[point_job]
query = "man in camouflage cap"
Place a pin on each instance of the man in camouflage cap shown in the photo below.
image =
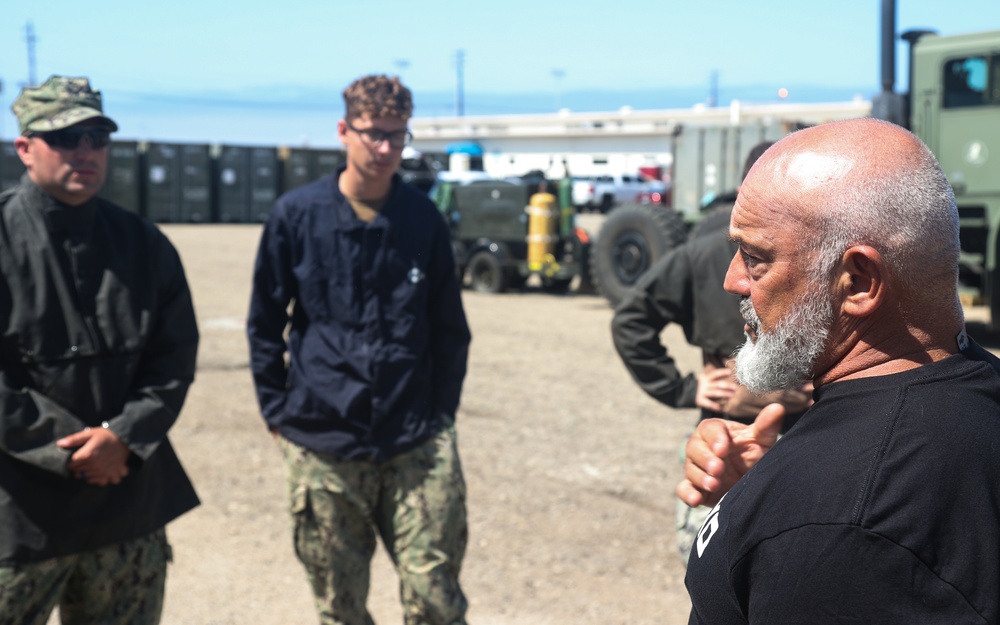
(97, 353)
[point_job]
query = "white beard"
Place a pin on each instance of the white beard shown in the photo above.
(784, 358)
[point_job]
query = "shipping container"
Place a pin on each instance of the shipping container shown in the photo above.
(123, 182)
(11, 167)
(246, 182)
(302, 165)
(178, 182)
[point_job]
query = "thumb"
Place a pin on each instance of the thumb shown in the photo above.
(767, 425)
(74, 440)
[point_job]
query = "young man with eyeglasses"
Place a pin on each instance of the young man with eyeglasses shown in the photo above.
(362, 395)
(97, 350)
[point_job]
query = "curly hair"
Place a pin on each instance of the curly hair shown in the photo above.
(379, 96)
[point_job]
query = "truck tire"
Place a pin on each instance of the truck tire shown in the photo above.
(486, 273)
(556, 285)
(632, 239)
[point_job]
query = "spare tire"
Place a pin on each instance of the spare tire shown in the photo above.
(632, 239)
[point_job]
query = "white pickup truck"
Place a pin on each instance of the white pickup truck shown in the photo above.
(601, 193)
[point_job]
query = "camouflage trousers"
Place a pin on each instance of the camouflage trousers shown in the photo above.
(689, 520)
(117, 585)
(416, 503)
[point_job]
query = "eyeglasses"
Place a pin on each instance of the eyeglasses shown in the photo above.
(69, 138)
(375, 138)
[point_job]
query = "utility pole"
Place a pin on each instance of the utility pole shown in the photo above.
(401, 64)
(558, 75)
(29, 34)
(713, 89)
(460, 72)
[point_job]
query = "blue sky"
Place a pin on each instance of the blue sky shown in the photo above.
(255, 72)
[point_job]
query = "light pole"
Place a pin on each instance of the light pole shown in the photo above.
(401, 65)
(29, 35)
(558, 75)
(460, 73)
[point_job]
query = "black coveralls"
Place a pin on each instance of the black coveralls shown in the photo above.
(97, 326)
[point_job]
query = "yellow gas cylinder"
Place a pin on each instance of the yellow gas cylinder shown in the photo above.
(543, 219)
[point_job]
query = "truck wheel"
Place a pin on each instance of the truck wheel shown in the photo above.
(486, 273)
(632, 239)
(556, 285)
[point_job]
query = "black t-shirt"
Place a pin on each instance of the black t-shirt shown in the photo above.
(881, 506)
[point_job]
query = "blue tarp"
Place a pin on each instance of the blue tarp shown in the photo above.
(464, 147)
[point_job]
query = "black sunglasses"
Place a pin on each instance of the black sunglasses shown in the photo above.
(69, 138)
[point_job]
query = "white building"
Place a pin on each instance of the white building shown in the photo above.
(587, 144)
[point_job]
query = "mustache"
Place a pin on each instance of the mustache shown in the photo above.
(749, 314)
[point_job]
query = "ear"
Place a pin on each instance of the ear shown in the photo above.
(23, 147)
(342, 131)
(862, 281)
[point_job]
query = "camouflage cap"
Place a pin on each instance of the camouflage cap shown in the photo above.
(57, 104)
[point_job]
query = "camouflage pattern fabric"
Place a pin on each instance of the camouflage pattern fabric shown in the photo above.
(689, 520)
(117, 585)
(416, 503)
(58, 103)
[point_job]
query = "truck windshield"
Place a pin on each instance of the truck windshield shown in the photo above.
(972, 81)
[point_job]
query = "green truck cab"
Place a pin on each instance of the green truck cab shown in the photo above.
(954, 107)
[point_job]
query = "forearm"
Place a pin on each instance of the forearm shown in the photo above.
(166, 367)
(265, 336)
(637, 341)
(450, 334)
(150, 412)
(30, 425)
(660, 298)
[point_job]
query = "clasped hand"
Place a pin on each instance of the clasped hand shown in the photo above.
(100, 457)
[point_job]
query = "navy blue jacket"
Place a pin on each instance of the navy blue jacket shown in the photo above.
(378, 341)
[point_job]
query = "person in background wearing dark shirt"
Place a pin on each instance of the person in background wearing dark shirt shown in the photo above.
(97, 350)
(685, 287)
(880, 505)
(362, 396)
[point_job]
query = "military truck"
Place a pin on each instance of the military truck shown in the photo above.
(503, 233)
(953, 106)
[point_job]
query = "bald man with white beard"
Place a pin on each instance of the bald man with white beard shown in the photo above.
(882, 504)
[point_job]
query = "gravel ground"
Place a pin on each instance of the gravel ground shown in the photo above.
(570, 468)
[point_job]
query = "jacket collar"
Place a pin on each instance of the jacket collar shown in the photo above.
(61, 218)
